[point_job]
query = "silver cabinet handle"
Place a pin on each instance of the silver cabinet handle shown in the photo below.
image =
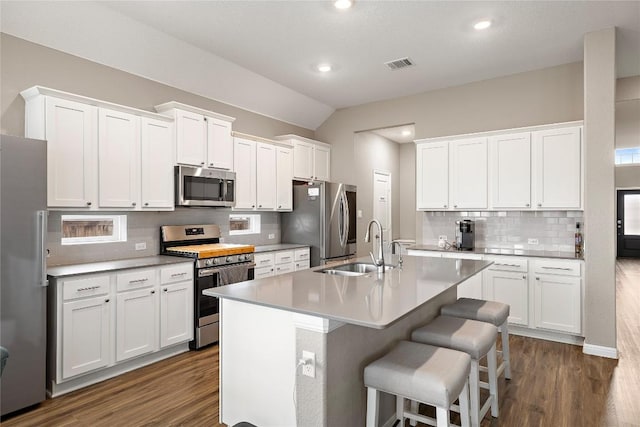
(537, 278)
(178, 274)
(131, 282)
(88, 203)
(557, 268)
(286, 257)
(507, 265)
(202, 163)
(89, 288)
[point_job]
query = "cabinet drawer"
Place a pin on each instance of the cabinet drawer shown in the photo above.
(262, 272)
(284, 268)
(176, 273)
(284, 257)
(301, 254)
(302, 265)
(135, 279)
(85, 287)
(263, 260)
(564, 268)
(508, 264)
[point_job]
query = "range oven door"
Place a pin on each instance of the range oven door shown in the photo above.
(204, 187)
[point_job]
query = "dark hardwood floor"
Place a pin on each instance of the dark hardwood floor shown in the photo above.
(553, 384)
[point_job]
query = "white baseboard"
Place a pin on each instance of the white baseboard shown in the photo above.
(545, 335)
(598, 350)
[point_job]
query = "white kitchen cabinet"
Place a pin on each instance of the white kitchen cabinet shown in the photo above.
(266, 176)
(311, 159)
(301, 259)
(70, 129)
(558, 295)
(191, 138)
(509, 287)
(244, 165)
(219, 144)
(284, 262)
(510, 170)
(86, 328)
(118, 159)
(136, 323)
(432, 176)
(284, 184)
(176, 313)
(557, 168)
(468, 174)
(156, 162)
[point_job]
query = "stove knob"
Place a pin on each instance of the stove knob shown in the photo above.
(229, 259)
(215, 260)
(241, 258)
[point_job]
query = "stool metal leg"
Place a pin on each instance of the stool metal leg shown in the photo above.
(373, 399)
(400, 409)
(492, 365)
(474, 391)
(464, 405)
(504, 330)
(442, 417)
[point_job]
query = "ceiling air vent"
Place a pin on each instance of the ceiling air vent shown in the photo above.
(396, 64)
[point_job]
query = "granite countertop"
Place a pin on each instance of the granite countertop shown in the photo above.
(107, 266)
(371, 300)
(498, 251)
(279, 247)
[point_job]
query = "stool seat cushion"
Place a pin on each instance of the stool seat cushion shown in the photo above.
(478, 309)
(420, 372)
(473, 337)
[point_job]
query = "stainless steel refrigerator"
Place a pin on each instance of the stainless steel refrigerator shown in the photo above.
(323, 217)
(23, 230)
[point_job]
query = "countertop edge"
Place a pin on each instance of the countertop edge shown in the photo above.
(278, 247)
(488, 251)
(114, 265)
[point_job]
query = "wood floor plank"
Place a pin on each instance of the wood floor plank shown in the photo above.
(553, 384)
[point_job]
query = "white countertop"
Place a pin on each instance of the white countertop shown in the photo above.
(369, 301)
(120, 264)
(279, 247)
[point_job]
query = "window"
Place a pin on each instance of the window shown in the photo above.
(627, 156)
(244, 224)
(84, 229)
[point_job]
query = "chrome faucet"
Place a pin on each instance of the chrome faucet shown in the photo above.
(379, 260)
(399, 249)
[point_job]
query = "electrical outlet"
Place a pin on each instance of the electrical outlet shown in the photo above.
(309, 368)
(141, 246)
(272, 236)
(221, 239)
(442, 237)
(532, 241)
(359, 213)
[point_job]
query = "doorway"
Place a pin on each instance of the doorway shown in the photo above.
(628, 223)
(382, 202)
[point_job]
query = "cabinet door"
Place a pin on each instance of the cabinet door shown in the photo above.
(432, 175)
(510, 161)
(510, 288)
(321, 163)
(85, 335)
(118, 159)
(558, 303)
(302, 160)
(265, 176)
(219, 144)
(284, 185)
(244, 164)
(72, 138)
(468, 171)
(156, 164)
(136, 323)
(176, 313)
(558, 168)
(191, 138)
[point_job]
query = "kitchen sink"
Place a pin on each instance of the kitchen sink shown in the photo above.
(353, 269)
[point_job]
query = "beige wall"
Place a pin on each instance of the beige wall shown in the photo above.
(600, 236)
(628, 128)
(407, 196)
(25, 64)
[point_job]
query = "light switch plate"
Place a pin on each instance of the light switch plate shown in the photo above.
(532, 241)
(141, 246)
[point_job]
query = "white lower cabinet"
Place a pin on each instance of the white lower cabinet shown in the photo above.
(281, 262)
(136, 323)
(558, 300)
(176, 313)
(511, 288)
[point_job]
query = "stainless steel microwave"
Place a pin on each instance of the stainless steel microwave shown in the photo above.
(204, 187)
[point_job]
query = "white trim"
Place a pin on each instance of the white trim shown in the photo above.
(119, 233)
(598, 350)
(285, 143)
(501, 132)
(168, 106)
(314, 323)
(301, 138)
(545, 335)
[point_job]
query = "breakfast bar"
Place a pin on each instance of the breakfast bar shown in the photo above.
(342, 318)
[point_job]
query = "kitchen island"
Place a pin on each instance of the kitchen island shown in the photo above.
(345, 321)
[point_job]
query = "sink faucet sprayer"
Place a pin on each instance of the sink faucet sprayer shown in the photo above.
(379, 261)
(398, 245)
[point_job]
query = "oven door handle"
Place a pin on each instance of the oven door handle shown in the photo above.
(203, 272)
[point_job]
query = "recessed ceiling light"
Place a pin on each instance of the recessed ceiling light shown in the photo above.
(482, 25)
(406, 132)
(343, 4)
(324, 68)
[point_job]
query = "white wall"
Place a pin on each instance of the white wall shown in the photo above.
(628, 128)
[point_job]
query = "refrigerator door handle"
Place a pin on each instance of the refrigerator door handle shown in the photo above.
(346, 218)
(341, 220)
(42, 219)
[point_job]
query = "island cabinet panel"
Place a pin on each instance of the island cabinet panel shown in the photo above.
(510, 170)
(468, 174)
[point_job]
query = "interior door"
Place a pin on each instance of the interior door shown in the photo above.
(382, 202)
(628, 224)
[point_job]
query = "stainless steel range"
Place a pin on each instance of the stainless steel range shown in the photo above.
(216, 264)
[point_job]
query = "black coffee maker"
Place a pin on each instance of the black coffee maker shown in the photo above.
(465, 235)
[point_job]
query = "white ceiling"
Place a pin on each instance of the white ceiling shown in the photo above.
(401, 134)
(278, 44)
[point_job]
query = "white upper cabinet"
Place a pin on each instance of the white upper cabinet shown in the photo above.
(557, 166)
(157, 164)
(468, 174)
(244, 165)
(432, 175)
(118, 159)
(94, 151)
(203, 138)
(510, 170)
(70, 129)
(265, 176)
(284, 172)
(311, 159)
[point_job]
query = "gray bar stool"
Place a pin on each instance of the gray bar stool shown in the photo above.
(424, 373)
(492, 312)
(477, 339)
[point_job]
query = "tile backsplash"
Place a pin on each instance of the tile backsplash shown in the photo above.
(145, 227)
(508, 230)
